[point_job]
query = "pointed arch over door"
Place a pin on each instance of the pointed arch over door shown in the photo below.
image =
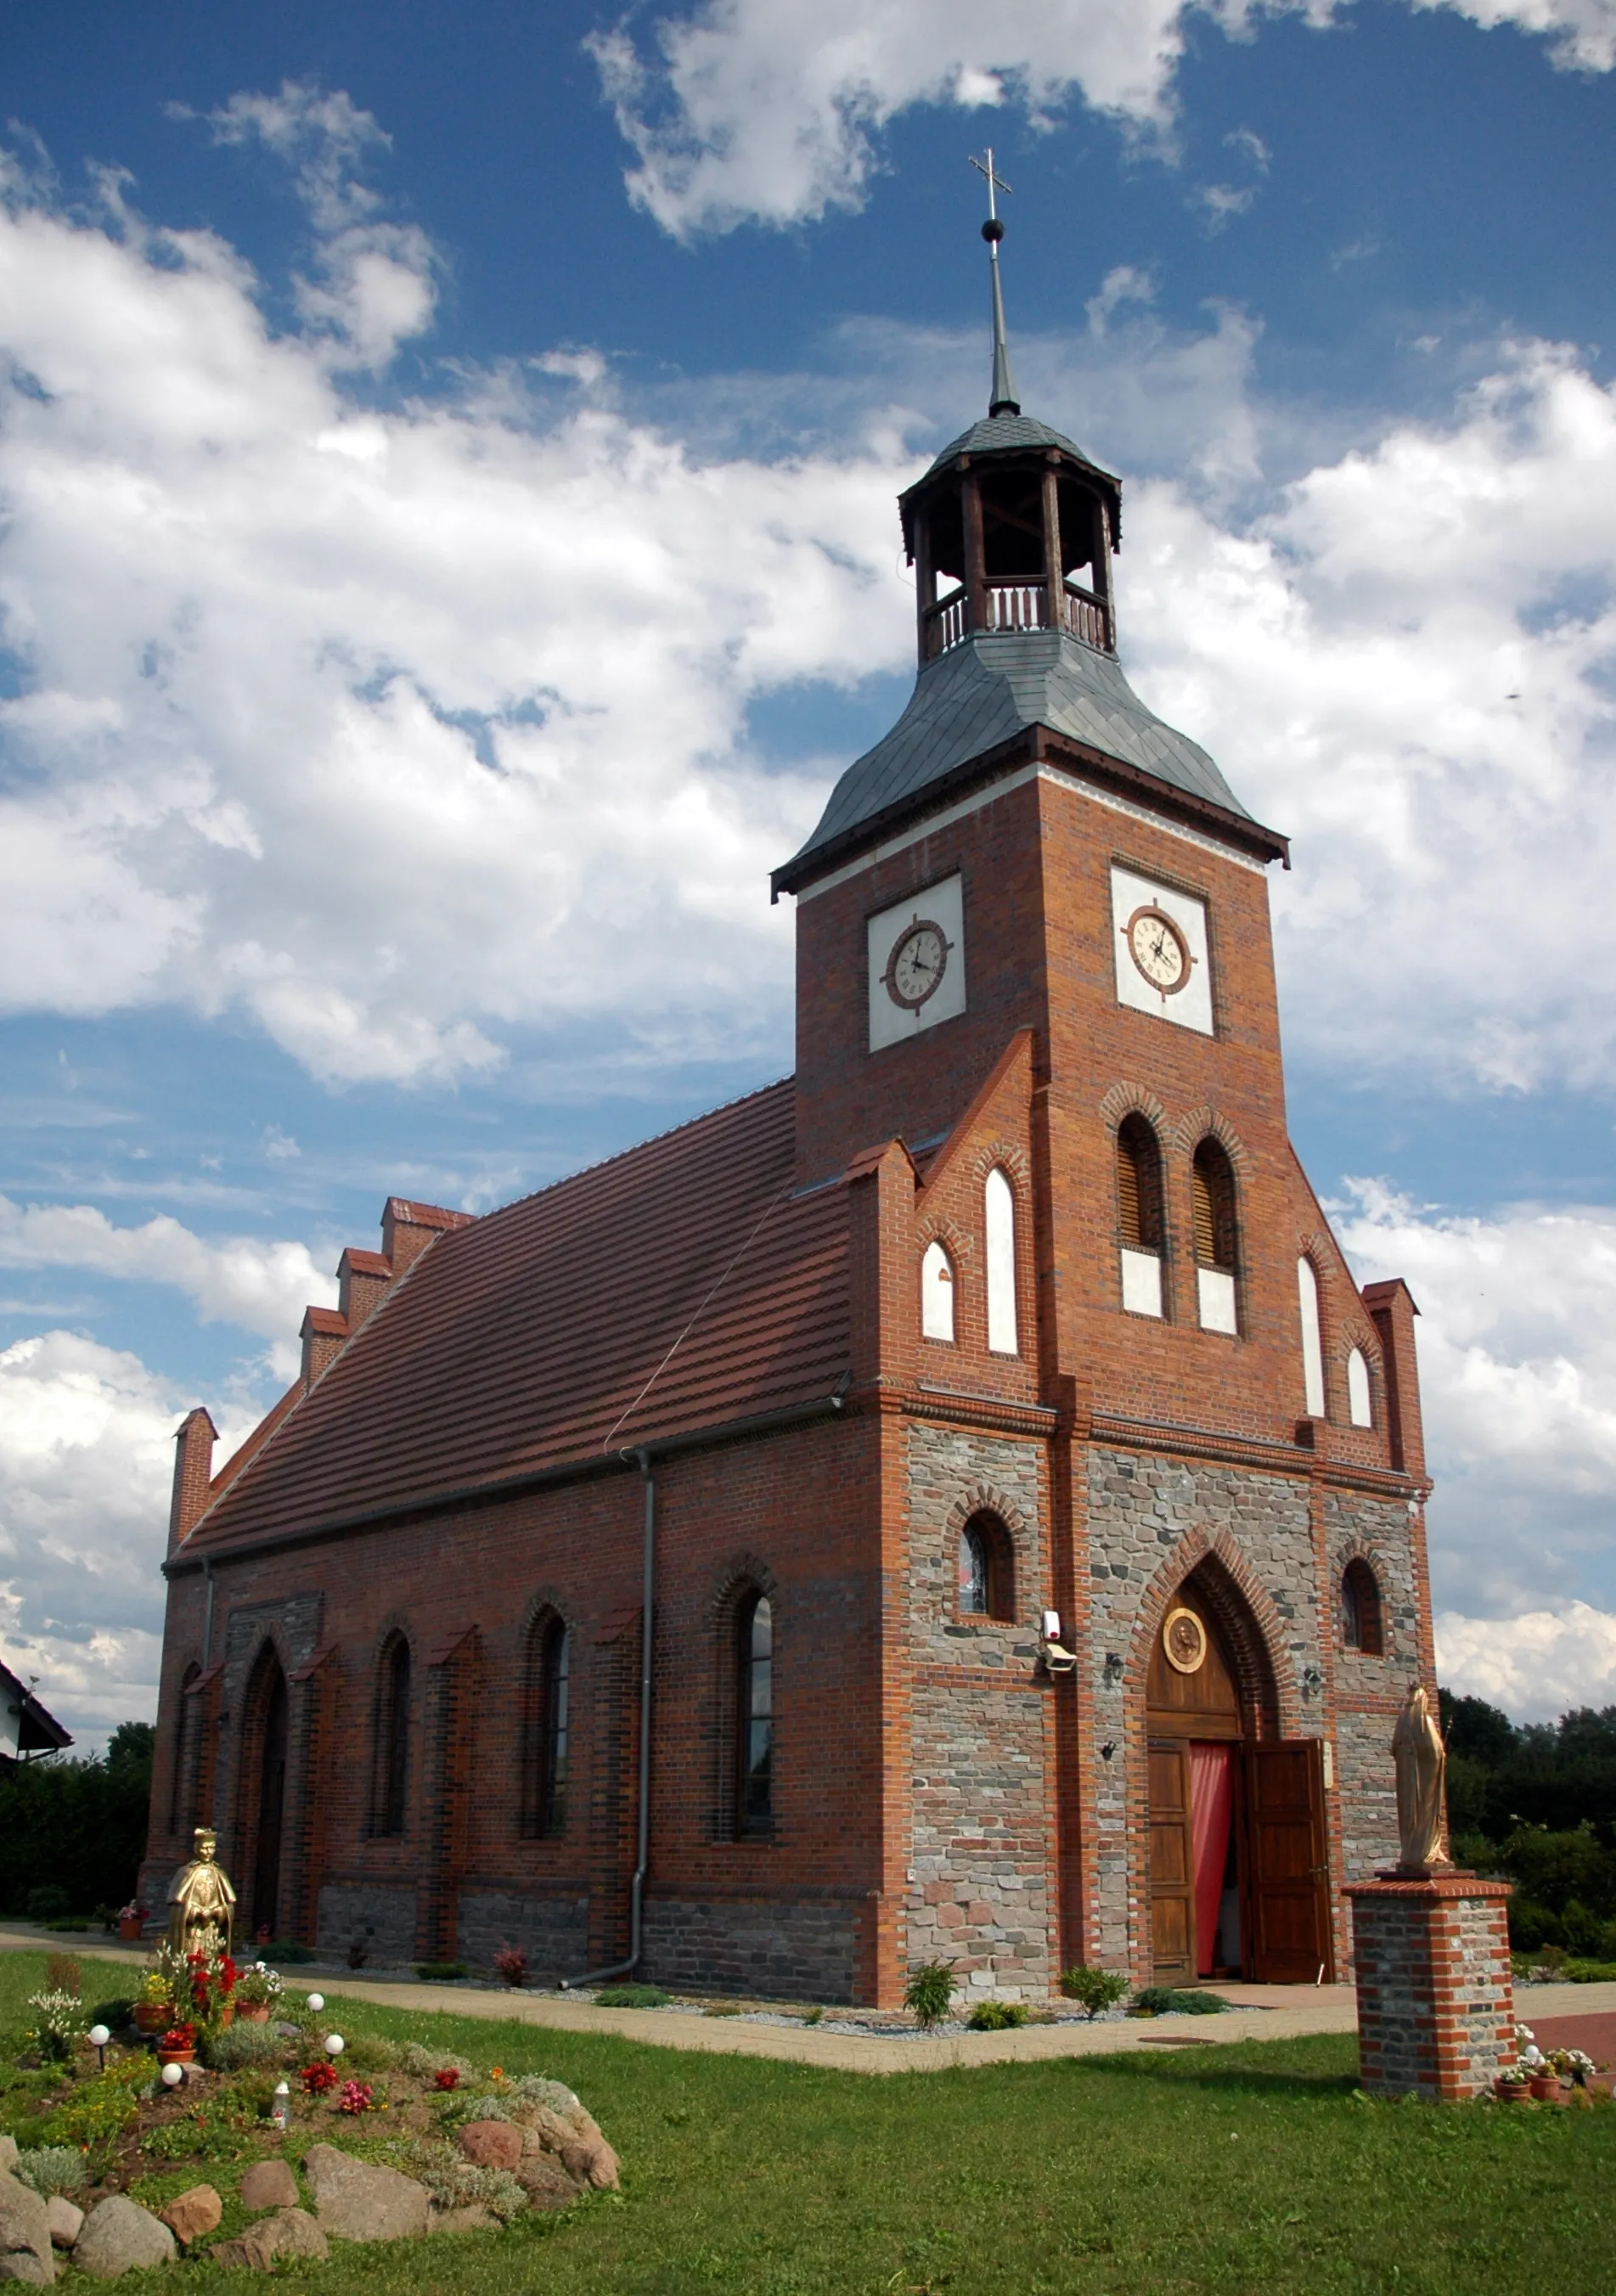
(265, 1748)
(1239, 1878)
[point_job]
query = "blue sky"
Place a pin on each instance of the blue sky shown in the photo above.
(449, 457)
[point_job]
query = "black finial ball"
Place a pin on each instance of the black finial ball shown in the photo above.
(993, 230)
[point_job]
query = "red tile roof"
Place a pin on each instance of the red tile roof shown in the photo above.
(678, 1287)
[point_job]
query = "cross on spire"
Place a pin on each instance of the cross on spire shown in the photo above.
(1002, 400)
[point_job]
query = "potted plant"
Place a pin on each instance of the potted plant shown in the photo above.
(177, 2046)
(258, 1988)
(154, 2003)
(131, 1923)
(1514, 2087)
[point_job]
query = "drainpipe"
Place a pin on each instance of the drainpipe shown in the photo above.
(642, 1846)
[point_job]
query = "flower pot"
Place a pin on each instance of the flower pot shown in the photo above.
(176, 2056)
(153, 2016)
(1512, 2092)
(226, 2014)
(254, 2013)
(1549, 2088)
(132, 1930)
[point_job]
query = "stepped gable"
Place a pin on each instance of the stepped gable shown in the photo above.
(523, 1340)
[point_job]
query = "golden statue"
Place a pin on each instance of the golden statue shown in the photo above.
(202, 1901)
(1422, 1769)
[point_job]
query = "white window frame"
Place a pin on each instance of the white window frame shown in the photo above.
(1312, 1337)
(999, 1223)
(937, 1292)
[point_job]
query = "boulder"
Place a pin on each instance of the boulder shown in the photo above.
(289, 2232)
(491, 2144)
(119, 2237)
(66, 2220)
(473, 2218)
(25, 2235)
(190, 2215)
(544, 2131)
(546, 2182)
(362, 2203)
(8, 2152)
(269, 2184)
(591, 2161)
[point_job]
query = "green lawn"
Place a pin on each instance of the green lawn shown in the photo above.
(1248, 2168)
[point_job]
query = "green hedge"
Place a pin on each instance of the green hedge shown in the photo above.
(78, 1826)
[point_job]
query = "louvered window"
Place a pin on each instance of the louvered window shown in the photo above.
(1212, 1205)
(1141, 1221)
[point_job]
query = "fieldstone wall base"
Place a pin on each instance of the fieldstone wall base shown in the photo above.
(1436, 2004)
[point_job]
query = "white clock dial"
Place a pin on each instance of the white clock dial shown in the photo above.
(915, 968)
(1158, 948)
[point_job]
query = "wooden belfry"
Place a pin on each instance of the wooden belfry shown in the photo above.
(999, 545)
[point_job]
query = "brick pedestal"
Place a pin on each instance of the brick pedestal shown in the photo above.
(1436, 2005)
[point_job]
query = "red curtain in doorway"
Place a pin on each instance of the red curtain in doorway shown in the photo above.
(1211, 1811)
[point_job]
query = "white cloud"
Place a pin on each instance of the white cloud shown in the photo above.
(770, 111)
(1536, 1667)
(262, 1287)
(86, 1462)
(391, 727)
(1517, 1352)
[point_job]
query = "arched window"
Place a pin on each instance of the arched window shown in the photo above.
(546, 1724)
(391, 1787)
(1312, 1338)
(1361, 1626)
(985, 1569)
(1141, 1220)
(1212, 1196)
(998, 1208)
(1360, 1410)
(755, 1716)
(936, 1292)
(181, 1815)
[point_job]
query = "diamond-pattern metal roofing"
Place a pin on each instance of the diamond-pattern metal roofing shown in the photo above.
(1003, 434)
(678, 1287)
(984, 692)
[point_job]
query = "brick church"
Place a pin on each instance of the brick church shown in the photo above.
(954, 1503)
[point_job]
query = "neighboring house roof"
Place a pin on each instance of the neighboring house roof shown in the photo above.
(26, 1727)
(979, 695)
(677, 1288)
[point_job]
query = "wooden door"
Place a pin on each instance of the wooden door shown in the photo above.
(1288, 1862)
(1172, 1868)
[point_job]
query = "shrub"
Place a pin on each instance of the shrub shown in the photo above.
(929, 1993)
(235, 2048)
(282, 1949)
(441, 1973)
(62, 1974)
(1171, 2001)
(51, 2168)
(369, 2052)
(631, 1996)
(1588, 1973)
(1093, 1990)
(75, 1923)
(997, 2016)
(47, 1901)
(419, 2061)
(59, 2023)
(510, 1964)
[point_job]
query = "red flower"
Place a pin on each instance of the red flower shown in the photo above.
(355, 2097)
(179, 2036)
(317, 2078)
(447, 2078)
(227, 1974)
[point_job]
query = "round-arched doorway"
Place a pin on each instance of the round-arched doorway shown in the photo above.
(1238, 1847)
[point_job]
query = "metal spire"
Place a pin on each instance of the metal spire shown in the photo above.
(1003, 399)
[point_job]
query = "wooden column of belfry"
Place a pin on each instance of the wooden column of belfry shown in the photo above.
(1436, 2005)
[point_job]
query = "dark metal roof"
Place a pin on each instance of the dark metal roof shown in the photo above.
(1003, 434)
(679, 1287)
(27, 1726)
(976, 699)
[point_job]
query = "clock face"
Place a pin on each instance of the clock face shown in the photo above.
(915, 968)
(1159, 949)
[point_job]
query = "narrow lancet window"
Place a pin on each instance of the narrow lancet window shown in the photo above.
(999, 1218)
(1361, 1625)
(1141, 1221)
(393, 1737)
(936, 1292)
(1360, 1410)
(755, 1716)
(1312, 1338)
(1212, 1192)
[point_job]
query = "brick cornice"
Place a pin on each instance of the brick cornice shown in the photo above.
(998, 1413)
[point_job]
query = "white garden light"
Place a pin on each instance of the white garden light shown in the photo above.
(334, 2044)
(173, 2075)
(316, 2001)
(98, 2037)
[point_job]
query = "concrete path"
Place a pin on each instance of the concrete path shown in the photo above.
(1262, 2013)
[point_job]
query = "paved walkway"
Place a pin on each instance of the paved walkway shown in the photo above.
(1262, 2013)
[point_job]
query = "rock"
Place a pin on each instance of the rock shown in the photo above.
(593, 2161)
(362, 2203)
(66, 2220)
(119, 2237)
(474, 2218)
(191, 2214)
(546, 2182)
(544, 2131)
(8, 2152)
(289, 2232)
(269, 2184)
(491, 2144)
(25, 2235)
